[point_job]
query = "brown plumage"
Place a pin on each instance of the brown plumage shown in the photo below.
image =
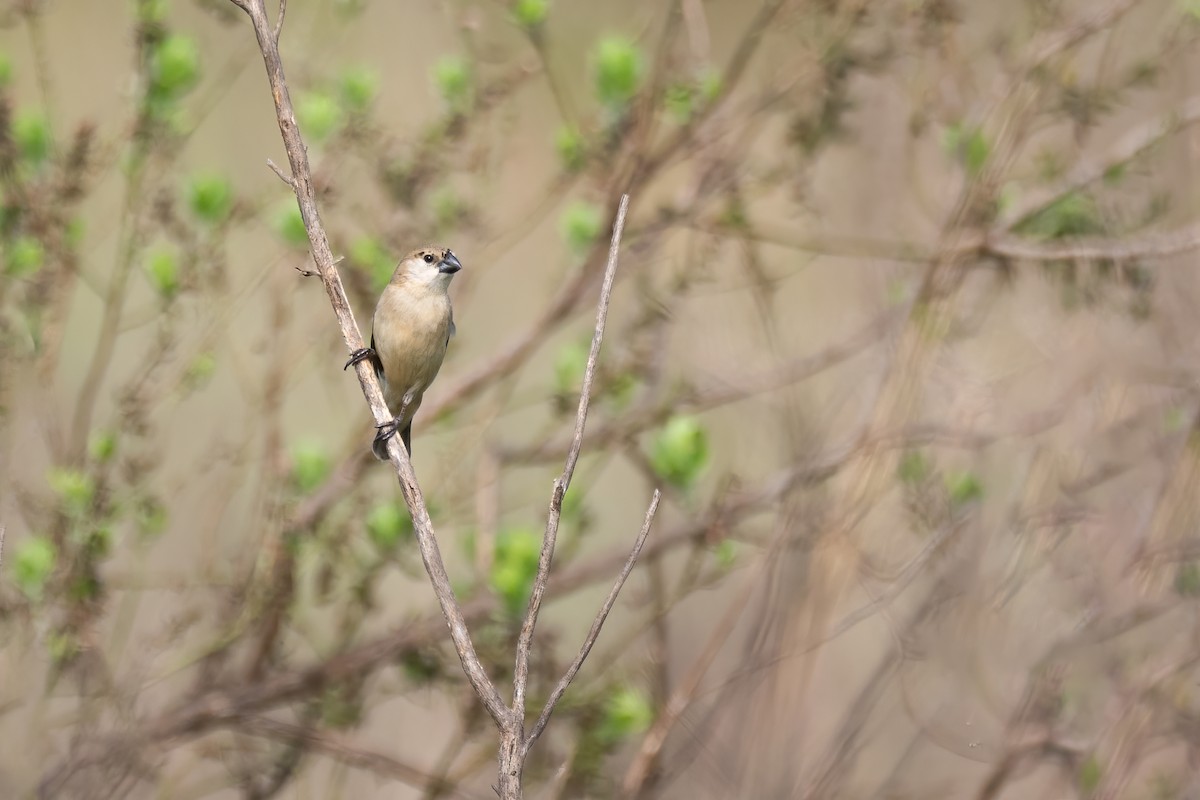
(411, 329)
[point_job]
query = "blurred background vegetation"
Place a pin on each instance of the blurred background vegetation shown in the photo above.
(905, 327)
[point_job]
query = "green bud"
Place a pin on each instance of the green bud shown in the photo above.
(25, 256)
(619, 67)
(387, 524)
(530, 14)
(310, 465)
(31, 132)
(358, 88)
(33, 563)
(1187, 579)
(74, 232)
(151, 518)
(678, 99)
(726, 553)
(569, 367)
(174, 67)
(514, 567)
(580, 226)
(200, 371)
(1089, 775)
(162, 270)
(448, 207)
(75, 489)
(680, 451)
(452, 78)
(710, 85)
(572, 150)
(289, 225)
(913, 468)
(319, 115)
(626, 713)
(102, 446)
(369, 254)
(210, 198)
(151, 12)
(963, 488)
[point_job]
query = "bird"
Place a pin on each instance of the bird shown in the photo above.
(410, 333)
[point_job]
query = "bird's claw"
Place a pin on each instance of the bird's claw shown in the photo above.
(358, 355)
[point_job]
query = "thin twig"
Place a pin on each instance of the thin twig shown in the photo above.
(525, 640)
(597, 624)
(1160, 245)
(283, 176)
(1, 544)
(279, 20)
(344, 751)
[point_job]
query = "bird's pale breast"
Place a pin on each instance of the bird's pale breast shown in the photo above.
(411, 332)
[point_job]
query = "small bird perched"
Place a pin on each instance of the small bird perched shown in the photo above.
(410, 332)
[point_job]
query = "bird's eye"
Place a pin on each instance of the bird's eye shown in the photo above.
(428, 258)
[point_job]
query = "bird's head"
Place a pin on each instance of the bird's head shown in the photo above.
(432, 267)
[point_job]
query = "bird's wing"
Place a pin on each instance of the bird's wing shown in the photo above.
(377, 361)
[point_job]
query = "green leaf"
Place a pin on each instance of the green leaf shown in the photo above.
(619, 67)
(75, 489)
(514, 567)
(452, 79)
(310, 465)
(174, 67)
(963, 487)
(626, 713)
(31, 132)
(162, 270)
(357, 88)
(388, 524)
(289, 225)
(33, 563)
(6, 70)
(571, 148)
(210, 197)
(580, 226)
(530, 14)
(319, 115)
(25, 256)
(680, 451)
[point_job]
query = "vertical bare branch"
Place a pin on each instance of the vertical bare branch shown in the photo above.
(525, 640)
(302, 184)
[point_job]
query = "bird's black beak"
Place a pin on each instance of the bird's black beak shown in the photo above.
(449, 264)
